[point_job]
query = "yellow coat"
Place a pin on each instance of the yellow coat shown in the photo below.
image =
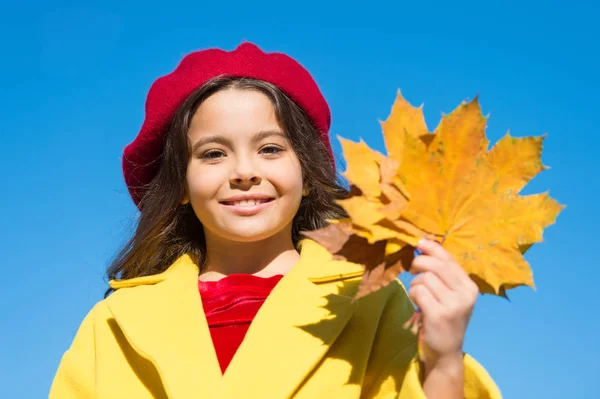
(150, 339)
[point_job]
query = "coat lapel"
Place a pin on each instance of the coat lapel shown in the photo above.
(293, 330)
(164, 322)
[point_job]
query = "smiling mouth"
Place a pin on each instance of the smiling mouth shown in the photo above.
(247, 202)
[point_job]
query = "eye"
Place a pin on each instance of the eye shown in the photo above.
(212, 155)
(271, 150)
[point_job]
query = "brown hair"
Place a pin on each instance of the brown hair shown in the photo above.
(167, 230)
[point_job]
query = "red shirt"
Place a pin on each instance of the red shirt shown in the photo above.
(230, 305)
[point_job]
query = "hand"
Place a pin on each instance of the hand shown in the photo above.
(446, 296)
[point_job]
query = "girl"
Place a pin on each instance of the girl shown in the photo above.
(217, 295)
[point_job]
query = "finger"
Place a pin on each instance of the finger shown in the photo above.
(440, 291)
(425, 263)
(425, 301)
(433, 248)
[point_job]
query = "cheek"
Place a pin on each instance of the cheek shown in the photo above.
(201, 184)
(288, 180)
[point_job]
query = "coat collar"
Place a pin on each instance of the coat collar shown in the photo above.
(314, 269)
(293, 330)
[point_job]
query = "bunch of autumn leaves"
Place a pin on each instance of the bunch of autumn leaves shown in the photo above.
(445, 185)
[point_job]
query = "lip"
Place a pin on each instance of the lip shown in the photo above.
(247, 210)
(247, 197)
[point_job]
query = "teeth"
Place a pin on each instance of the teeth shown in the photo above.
(250, 202)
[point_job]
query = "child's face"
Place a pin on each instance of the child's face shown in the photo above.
(244, 180)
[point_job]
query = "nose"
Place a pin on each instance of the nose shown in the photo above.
(245, 173)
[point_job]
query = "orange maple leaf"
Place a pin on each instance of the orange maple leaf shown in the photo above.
(468, 196)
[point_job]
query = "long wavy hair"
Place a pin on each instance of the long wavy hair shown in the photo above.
(166, 229)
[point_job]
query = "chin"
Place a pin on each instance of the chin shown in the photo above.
(253, 232)
(249, 236)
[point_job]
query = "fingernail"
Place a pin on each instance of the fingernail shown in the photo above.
(422, 242)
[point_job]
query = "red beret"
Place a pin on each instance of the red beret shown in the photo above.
(167, 93)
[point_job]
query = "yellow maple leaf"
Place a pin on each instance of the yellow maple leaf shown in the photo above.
(381, 196)
(374, 235)
(468, 196)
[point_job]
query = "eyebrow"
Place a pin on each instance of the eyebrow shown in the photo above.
(218, 139)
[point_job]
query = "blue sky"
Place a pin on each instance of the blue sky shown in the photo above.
(74, 76)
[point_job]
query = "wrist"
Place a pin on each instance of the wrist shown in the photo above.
(450, 365)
